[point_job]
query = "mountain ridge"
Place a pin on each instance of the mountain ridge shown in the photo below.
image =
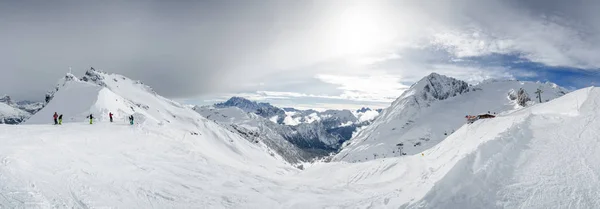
(432, 109)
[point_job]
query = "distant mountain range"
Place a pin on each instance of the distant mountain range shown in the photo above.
(311, 133)
(16, 112)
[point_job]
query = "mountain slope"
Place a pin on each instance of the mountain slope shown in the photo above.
(29, 106)
(15, 113)
(431, 110)
(544, 157)
(265, 110)
(257, 129)
(297, 135)
(99, 93)
(541, 156)
(115, 165)
(12, 115)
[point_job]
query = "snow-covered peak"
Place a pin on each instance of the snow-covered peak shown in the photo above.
(435, 87)
(11, 115)
(263, 109)
(99, 93)
(62, 82)
(6, 100)
(113, 80)
(434, 108)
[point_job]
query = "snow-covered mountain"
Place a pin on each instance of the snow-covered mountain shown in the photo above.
(29, 106)
(16, 112)
(259, 129)
(299, 143)
(25, 105)
(540, 156)
(11, 115)
(434, 108)
(263, 109)
(311, 133)
(99, 93)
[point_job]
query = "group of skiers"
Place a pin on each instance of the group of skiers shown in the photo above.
(58, 118)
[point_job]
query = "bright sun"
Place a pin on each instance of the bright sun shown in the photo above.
(360, 29)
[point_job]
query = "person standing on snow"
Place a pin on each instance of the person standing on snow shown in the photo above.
(131, 119)
(110, 116)
(90, 117)
(60, 119)
(55, 118)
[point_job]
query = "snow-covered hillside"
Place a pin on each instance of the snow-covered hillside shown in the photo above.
(265, 110)
(258, 129)
(11, 112)
(542, 156)
(11, 115)
(99, 94)
(78, 165)
(310, 133)
(293, 116)
(434, 108)
(29, 106)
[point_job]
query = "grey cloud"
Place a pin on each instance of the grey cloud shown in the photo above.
(180, 48)
(189, 48)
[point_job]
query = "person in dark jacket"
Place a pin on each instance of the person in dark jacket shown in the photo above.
(60, 119)
(91, 117)
(55, 118)
(110, 116)
(131, 119)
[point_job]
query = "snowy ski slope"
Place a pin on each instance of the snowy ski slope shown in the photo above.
(543, 156)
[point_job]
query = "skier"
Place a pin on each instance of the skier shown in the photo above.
(90, 117)
(55, 118)
(60, 119)
(110, 116)
(131, 119)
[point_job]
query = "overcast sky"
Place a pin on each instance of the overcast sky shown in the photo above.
(327, 54)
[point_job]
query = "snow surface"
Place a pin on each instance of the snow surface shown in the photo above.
(537, 157)
(543, 156)
(419, 119)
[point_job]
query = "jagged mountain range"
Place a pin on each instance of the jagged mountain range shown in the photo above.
(298, 135)
(420, 118)
(16, 112)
